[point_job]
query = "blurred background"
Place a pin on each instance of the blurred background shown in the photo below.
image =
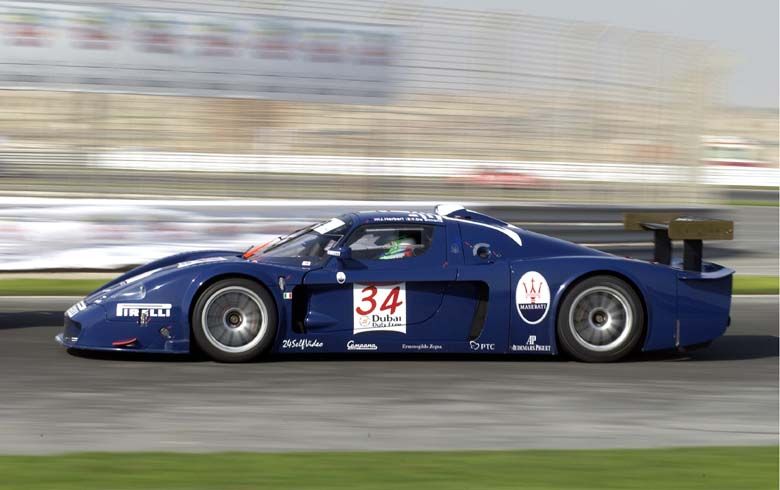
(136, 129)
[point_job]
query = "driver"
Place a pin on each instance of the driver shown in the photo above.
(403, 247)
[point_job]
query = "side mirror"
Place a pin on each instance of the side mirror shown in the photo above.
(342, 253)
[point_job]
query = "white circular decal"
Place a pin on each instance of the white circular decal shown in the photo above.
(532, 297)
(341, 278)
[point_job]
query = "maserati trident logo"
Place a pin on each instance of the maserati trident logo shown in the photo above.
(532, 296)
(532, 292)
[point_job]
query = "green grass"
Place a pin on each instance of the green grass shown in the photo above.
(80, 287)
(48, 287)
(756, 284)
(752, 202)
(709, 468)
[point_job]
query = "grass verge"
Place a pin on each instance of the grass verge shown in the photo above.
(709, 468)
(48, 287)
(753, 202)
(80, 287)
(756, 284)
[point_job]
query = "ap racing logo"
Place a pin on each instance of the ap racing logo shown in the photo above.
(532, 297)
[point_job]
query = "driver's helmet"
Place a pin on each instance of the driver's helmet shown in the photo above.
(403, 247)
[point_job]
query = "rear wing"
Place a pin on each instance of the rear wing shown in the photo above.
(675, 226)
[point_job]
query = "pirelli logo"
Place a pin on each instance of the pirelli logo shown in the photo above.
(149, 310)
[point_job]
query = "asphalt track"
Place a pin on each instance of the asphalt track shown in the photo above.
(52, 401)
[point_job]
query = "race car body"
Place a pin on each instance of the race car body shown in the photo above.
(453, 281)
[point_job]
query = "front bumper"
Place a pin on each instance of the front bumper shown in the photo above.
(64, 341)
(91, 329)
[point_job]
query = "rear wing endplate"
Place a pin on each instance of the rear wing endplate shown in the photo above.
(675, 226)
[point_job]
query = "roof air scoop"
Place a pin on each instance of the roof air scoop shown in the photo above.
(448, 209)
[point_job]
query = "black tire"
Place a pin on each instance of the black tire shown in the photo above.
(591, 316)
(234, 320)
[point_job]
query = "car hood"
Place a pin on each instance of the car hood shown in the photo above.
(172, 262)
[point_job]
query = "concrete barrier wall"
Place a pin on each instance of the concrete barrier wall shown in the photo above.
(108, 234)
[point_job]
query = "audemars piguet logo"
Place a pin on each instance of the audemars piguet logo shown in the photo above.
(530, 346)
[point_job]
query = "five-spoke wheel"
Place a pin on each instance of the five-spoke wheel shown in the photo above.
(600, 320)
(234, 320)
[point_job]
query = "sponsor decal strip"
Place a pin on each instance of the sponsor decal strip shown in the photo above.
(301, 344)
(530, 346)
(473, 345)
(352, 345)
(421, 347)
(411, 216)
(379, 308)
(80, 306)
(149, 310)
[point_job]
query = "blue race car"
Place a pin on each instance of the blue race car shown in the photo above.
(453, 281)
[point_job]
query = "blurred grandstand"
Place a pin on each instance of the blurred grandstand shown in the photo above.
(211, 103)
(141, 99)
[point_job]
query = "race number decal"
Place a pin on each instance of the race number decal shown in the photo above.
(379, 307)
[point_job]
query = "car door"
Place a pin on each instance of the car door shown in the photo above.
(390, 290)
(486, 250)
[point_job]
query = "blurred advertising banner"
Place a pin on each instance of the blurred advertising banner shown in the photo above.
(131, 50)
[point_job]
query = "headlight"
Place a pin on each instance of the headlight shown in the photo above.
(130, 293)
(124, 290)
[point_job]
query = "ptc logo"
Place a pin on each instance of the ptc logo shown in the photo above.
(532, 296)
(479, 346)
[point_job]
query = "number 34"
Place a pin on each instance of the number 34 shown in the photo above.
(368, 301)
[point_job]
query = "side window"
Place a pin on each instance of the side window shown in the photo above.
(372, 242)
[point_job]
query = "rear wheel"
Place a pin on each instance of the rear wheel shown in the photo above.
(234, 320)
(600, 320)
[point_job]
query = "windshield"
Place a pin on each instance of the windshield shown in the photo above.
(310, 243)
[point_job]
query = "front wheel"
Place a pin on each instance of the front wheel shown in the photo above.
(601, 320)
(234, 320)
